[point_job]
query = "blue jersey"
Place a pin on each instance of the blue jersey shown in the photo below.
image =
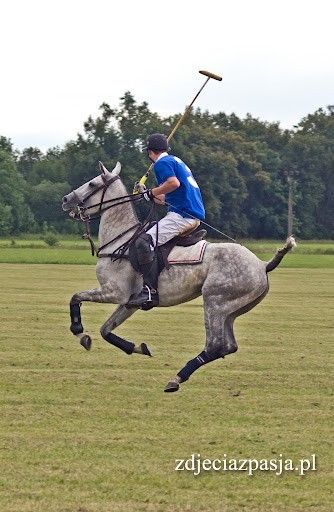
(186, 200)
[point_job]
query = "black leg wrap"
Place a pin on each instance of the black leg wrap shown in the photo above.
(76, 325)
(126, 346)
(193, 365)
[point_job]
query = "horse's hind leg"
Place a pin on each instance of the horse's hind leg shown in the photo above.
(191, 366)
(214, 349)
(220, 340)
(119, 316)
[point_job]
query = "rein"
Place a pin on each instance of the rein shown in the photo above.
(83, 209)
(119, 253)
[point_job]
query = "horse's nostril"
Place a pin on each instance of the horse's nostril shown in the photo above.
(64, 199)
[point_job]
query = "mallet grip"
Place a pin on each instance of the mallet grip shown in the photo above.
(211, 75)
(143, 179)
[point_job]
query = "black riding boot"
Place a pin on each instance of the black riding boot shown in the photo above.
(148, 298)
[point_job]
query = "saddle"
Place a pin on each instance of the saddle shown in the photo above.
(165, 249)
(182, 241)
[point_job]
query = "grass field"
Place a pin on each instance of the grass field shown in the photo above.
(75, 251)
(94, 432)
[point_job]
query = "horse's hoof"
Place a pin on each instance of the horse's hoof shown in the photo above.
(145, 350)
(173, 385)
(142, 349)
(86, 342)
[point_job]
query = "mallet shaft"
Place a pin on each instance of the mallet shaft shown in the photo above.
(208, 75)
(186, 111)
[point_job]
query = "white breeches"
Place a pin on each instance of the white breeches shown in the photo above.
(172, 225)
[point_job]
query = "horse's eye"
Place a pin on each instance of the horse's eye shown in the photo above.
(91, 184)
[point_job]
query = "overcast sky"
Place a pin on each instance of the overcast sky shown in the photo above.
(61, 59)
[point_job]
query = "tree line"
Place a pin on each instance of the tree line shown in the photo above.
(241, 166)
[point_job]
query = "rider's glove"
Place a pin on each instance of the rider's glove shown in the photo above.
(136, 187)
(147, 193)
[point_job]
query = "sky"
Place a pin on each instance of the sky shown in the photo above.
(60, 60)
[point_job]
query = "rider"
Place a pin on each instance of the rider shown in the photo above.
(176, 187)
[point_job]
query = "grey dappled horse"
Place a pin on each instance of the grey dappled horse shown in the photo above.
(231, 279)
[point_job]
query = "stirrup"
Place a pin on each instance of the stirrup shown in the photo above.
(149, 291)
(146, 299)
(153, 299)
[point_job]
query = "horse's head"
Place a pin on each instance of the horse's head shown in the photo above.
(92, 192)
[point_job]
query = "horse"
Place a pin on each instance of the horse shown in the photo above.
(231, 279)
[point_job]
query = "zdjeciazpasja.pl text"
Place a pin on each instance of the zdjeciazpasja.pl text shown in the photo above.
(196, 465)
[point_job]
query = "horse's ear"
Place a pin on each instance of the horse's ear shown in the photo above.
(117, 169)
(103, 169)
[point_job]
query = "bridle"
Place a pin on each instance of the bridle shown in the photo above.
(82, 209)
(82, 214)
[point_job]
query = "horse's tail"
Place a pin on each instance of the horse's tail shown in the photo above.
(276, 260)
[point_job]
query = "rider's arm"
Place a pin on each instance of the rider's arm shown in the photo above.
(168, 186)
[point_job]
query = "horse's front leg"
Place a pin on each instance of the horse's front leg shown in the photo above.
(119, 316)
(76, 325)
(104, 294)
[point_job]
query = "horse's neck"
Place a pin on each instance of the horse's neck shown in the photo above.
(117, 219)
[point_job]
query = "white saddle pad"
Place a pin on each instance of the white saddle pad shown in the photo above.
(191, 255)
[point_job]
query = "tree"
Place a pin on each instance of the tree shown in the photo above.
(45, 201)
(16, 216)
(239, 164)
(311, 152)
(27, 161)
(6, 145)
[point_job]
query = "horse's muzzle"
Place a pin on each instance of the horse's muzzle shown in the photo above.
(70, 201)
(64, 203)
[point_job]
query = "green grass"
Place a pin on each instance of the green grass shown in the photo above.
(68, 242)
(297, 260)
(303, 247)
(74, 250)
(94, 432)
(53, 255)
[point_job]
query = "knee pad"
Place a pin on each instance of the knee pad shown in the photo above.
(145, 249)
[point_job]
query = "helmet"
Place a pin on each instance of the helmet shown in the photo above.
(157, 142)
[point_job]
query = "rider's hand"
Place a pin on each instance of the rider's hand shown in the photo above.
(147, 193)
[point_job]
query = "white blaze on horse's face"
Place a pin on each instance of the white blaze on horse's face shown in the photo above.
(90, 192)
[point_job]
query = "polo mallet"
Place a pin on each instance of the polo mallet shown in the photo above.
(170, 136)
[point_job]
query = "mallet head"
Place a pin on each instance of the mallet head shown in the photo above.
(211, 75)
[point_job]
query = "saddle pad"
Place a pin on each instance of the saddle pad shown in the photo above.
(191, 255)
